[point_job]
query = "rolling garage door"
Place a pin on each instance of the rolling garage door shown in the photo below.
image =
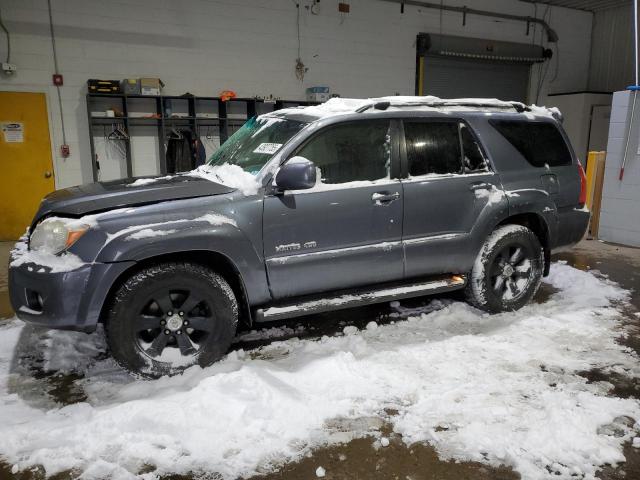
(461, 77)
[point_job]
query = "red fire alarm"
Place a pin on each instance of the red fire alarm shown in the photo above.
(343, 7)
(57, 80)
(65, 151)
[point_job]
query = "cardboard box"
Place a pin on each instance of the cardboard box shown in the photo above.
(318, 97)
(317, 90)
(151, 86)
(318, 94)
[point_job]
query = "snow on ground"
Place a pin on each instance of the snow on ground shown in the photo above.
(495, 389)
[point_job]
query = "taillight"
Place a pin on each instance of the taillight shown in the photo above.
(582, 199)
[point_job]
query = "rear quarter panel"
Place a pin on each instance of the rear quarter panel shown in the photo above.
(522, 181)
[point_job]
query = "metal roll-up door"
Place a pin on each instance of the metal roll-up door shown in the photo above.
(463, 78)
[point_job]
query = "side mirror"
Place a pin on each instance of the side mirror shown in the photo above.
(297, 174)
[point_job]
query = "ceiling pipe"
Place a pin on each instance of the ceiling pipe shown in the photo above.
(552, 36)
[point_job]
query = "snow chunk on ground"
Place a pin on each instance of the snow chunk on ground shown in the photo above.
(231, 175)
(506, 386)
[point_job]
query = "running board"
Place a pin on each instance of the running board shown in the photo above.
(357, 298)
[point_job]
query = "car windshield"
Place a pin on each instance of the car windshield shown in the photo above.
(255, 143)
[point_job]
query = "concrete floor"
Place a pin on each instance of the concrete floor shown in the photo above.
(358, 458)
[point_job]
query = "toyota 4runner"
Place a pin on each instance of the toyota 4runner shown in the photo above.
(302, 211)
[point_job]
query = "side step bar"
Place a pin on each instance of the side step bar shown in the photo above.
(356, 298)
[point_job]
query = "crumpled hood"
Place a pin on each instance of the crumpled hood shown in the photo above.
(101, 196)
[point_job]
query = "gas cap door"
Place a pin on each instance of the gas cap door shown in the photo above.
(550, 183)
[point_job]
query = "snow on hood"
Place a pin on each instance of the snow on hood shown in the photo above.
(497, 389)
(342, 106)
(230, 175)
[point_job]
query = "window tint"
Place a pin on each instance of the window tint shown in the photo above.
(473, 159)
(351, 151)
(432, 147)
(539, 143)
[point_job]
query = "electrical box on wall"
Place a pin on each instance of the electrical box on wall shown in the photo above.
(65, 151)
(9, 68)
(58, 81)
(344, 7)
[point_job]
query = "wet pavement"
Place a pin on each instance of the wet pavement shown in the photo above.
(364, 456)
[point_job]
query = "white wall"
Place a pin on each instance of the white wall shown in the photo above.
(620, 213)
(205, 46)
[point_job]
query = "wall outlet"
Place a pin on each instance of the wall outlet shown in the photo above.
(9, 68)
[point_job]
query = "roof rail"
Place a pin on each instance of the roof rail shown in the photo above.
(517, 106)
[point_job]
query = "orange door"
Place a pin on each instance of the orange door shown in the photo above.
(26, 170)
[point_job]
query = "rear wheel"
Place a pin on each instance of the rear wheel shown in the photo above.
(169, 317)
(507, 271)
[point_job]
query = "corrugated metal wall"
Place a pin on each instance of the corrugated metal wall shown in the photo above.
(612, 52)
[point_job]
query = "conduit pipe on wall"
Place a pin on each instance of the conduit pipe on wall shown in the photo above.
(552, 36)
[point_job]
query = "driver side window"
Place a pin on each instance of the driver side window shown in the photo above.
(352, 151)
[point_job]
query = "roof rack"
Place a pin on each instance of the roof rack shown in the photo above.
(518, 107)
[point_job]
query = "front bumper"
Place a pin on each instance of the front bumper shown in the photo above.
(70, 300)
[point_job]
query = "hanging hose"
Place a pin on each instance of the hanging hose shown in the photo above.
(633, 88)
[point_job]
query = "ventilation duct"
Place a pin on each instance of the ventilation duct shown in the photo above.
(474, 48)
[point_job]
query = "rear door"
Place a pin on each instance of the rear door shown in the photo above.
(346, 231)
(448, 187)
(545, 147)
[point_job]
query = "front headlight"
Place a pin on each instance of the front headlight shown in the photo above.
(55, 235)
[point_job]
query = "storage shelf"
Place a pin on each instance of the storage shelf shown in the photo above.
(221, 124)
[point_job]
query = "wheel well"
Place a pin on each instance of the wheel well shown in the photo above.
(216, 261)
(537, 225)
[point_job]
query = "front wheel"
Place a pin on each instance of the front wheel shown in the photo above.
(507, 271)
(169, 317)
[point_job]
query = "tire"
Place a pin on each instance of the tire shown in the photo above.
(170, 316)
(507, 272)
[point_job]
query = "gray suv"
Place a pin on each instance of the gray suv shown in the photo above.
(302, 211)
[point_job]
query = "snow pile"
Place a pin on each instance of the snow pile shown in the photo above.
(499, 389)
(150, 230)
(341, 106)
(43, 261)
(149, 233)
(230, 175)
(146, 181)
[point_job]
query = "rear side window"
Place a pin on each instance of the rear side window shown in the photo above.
(432, 147)
(473, 159)
(540, 143)
(352, 151)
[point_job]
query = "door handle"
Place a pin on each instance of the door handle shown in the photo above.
(480, 186)
(47, 174)
(383, 198)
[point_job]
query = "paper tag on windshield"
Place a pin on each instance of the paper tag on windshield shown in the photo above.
(267, 148)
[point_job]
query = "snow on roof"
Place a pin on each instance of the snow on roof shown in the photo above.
(342, 106)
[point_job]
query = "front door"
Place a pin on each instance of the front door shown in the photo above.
(346, 231)
(448, 189)
(25, 160)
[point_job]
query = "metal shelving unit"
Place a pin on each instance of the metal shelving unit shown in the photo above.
(222, 124)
